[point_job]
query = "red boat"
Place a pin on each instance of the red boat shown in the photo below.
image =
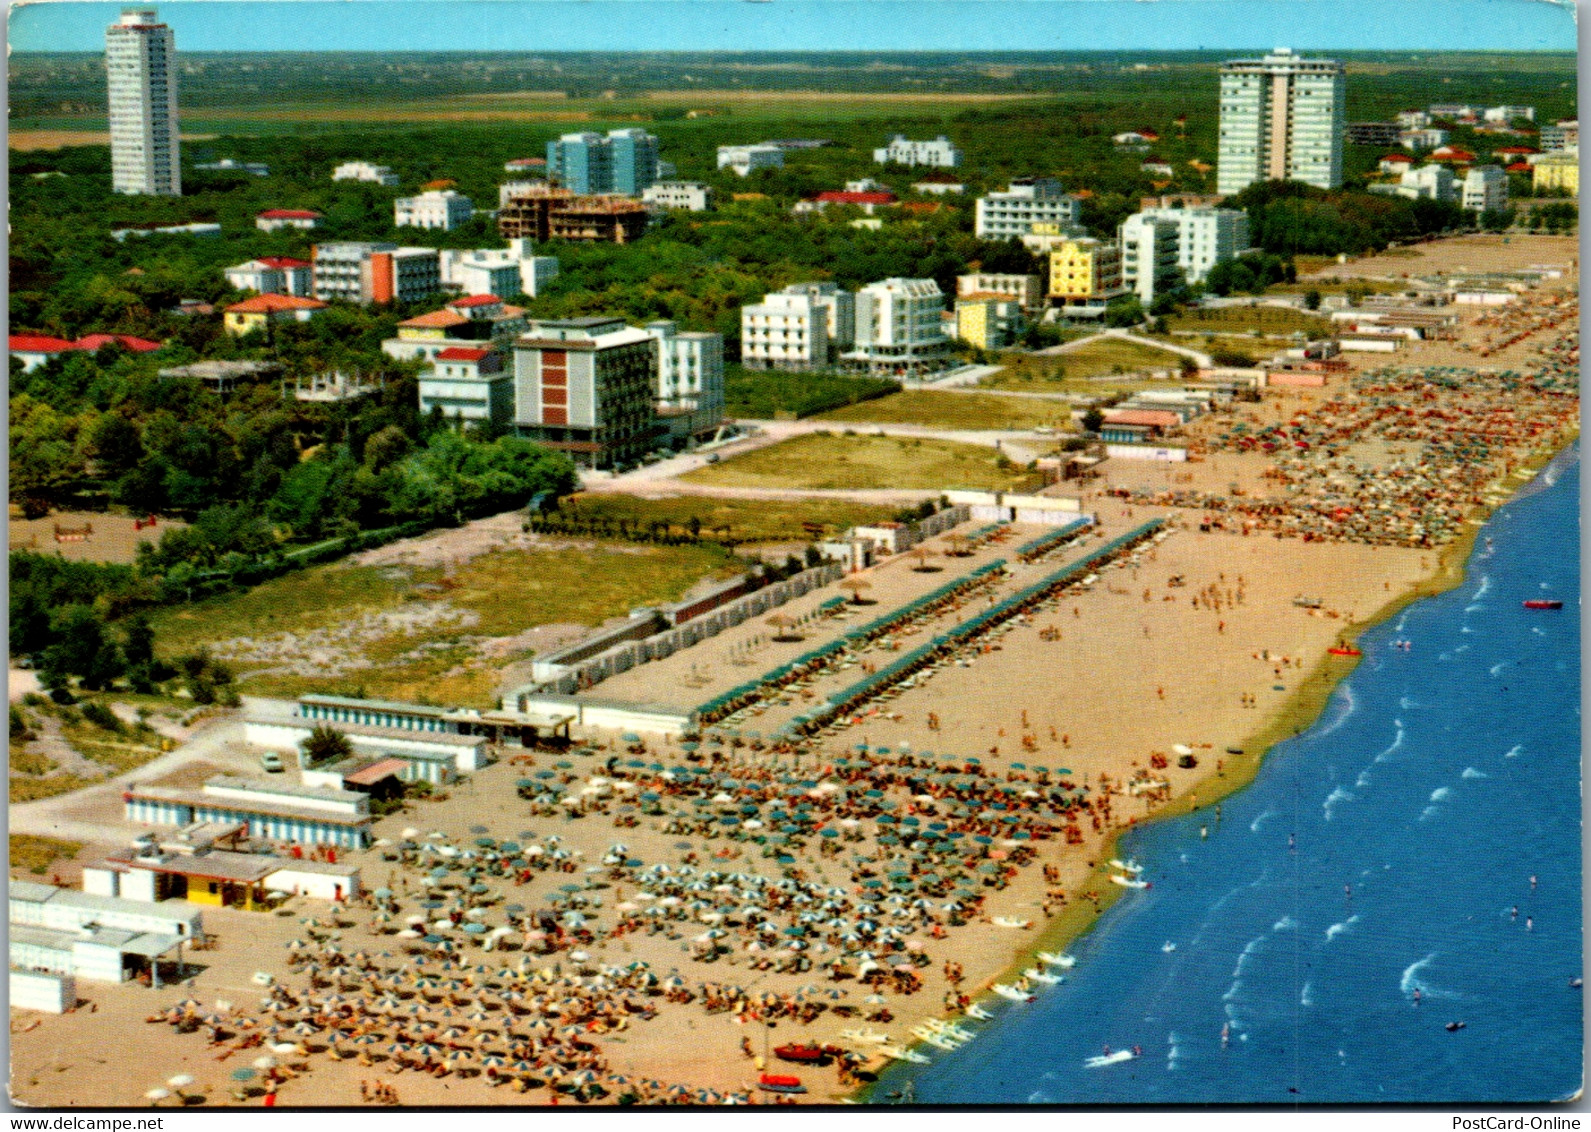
(778, 1083)
(1543, 603)
(1344, 650)
(797, 1052)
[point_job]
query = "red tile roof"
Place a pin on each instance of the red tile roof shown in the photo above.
(126, 341)
(1399, 157)
(375, 772)
(461, 354)
(289, 214)
(1155, 418)
(856, 198)
(269, 304)
(434, 320)
(476, 301)
(38, 344)
(282, 261)
(1521, 167)
(528, 162)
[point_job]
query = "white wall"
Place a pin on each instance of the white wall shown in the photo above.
(1147, 452)
(322, 886)
(101, 882)
(49, 994)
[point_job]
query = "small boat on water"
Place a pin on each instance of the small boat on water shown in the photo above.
(1543, 603)
(1062, 961)
(1130, 866)
(937, 1040)
(1128, 882)
(978, 1012)
(1168, 946)
(950, 1030)
(778, 1083)
(1011, 992)
(1039, 976)
(1109, 1059)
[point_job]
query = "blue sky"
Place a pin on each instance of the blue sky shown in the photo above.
(869, 25)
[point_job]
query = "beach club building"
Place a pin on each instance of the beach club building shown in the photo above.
(199, 873)
(303, 815)
(79, 935)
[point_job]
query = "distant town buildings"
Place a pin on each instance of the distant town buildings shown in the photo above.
(468, 384)
(988, 320)
(1503, 115)
(278, 275)
(690, 379)
(231, 165)
(1149, 249)
(365, 171)
(868, 201)
(275, 219)
(900, 151)
(199, 229)
(548, 213)
(747, 159)
(1561, 136)
(1485, 189)
(1027, 201)
(442, 209)
(1027, 290)
(1556, 172)
(33, 350)
(1373, 133)
(260, 312)
(623, 162)
(1428, 138)
(692, 196)
(141, 82)
(375, 272)
(496, 271)
(1085, 274)
(899, 328)
(1205, 236)
(1281, 119)
(587, 387)
(803, 327)
(471, 322)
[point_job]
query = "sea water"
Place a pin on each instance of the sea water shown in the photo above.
(1412, 861)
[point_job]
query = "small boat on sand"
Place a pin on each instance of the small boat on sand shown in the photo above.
(1039, 976)
(1344, 650)
(1129, 882)
(937, 1040)
(796, 1052)
(902, 1054)
(1062, 961)
(1011, 992)
(1012, 922)
(777, 1083)
(1132, 866)
(865, 1037)
(978, 1012)
(1543, 603)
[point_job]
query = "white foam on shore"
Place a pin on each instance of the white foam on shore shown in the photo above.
(1285, 924)
(1345, 926)
(1306, 997)
(1430, 812)
(1254, 826)
(1515, 751)
(1485, 587)
(1471, 772)
(1349, 704)
(1363, 780)
(1499, 666)
(1441, 794)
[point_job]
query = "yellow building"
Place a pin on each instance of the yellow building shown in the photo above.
(1086, 273)
(1556, 171)
(261, 310)
(987, 320)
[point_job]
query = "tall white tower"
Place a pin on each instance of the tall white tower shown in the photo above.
(141, 76)
(1281, 119)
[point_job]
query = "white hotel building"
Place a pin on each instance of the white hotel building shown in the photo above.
(939, 153)
(141, 78)
(443, 210)
(1281, 120)
(900, 327)
(1205, 236)
(804, 326)
(1033, 200)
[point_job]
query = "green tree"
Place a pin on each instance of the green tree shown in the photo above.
(1093, 419)
(325, 744)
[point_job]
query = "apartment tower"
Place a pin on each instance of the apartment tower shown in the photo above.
(141, 79)
(1281, 120)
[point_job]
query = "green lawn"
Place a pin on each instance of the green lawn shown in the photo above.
(1242, 320)
(508, 591)
(958, 410)
(825, 460)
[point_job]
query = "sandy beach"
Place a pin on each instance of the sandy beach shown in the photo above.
(861, 881)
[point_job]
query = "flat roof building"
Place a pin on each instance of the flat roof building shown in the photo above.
(1281, 120)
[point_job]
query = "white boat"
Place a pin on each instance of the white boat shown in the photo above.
(939, 1041)
(1168, 946)
(952, 1031)
(1129, 882)
(1126, 866)
(978, 1012)
(1009, 922)
(1062, 961)
(1011, 992)
(1039, 976)
(1109, 1059)
(866, 1037)
(902, 1054)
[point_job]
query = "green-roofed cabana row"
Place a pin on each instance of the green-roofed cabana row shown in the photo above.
(1030, 551)
(958, 636)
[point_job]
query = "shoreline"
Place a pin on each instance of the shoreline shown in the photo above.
(1301, 711)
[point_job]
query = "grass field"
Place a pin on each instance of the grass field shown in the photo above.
(747, 520)
(374, 628)
(1242, 320)
(775, 395)
(34, 854)
(1076, 370)
(957, 410)
(825, 460)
